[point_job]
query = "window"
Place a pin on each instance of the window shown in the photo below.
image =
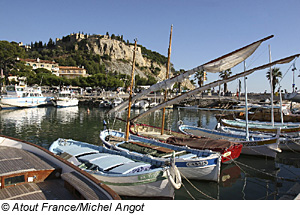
(14, 180)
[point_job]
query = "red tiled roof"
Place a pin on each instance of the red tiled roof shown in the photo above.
(70, 67)
(41, 61)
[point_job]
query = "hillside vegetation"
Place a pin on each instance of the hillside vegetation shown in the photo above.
(107, 60)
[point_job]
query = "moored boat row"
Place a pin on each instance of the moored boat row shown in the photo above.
(22, 96)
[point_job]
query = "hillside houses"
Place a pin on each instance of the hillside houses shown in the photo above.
(63, 71)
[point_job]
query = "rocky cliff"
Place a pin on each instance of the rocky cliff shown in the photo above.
(120, 56)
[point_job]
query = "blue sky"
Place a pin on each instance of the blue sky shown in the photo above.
(203, 29)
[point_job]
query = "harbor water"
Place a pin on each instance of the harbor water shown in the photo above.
(248, 178)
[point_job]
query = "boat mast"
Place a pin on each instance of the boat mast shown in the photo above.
(271, 83)
(246, 104)
(281, 113)
(130, 94)
(167, 77)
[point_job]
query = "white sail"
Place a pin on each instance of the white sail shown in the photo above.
(214, 84)
(220, 64)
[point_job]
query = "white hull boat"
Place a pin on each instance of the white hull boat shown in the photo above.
(286, 142)
(23, 97)
(126, 174)
(192, 163)
(65, 98)
(294, 96)
(259, 146)
(291, 129)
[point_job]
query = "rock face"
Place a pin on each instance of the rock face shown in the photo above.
(121, 56)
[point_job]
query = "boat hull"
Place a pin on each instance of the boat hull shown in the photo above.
(152, 183)
(65, 166)
(259, 147)
(228, 154)
(285, 143)
(65, 103)
(193, 167)
(291, 130)
(28, 102)
(149, 185)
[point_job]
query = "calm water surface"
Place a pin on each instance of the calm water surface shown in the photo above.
(250, 178)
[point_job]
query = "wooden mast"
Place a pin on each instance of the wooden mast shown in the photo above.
(167, 77)
(130, 94)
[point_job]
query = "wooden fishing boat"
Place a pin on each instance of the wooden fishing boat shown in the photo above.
(229, 150)
(192, 163)
(260, 146)
(288, 143)
(291, 129)
(30, 172)
(126, 174)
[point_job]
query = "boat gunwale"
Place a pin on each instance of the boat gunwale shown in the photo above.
(77, 169)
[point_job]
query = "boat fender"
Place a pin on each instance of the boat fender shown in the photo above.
(173, 174)
(174, 177)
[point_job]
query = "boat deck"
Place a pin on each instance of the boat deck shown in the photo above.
(47, 190)
(26, 176)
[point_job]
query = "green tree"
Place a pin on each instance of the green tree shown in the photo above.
(200, 77)
(50, 44)
(276, 74)
(8, 55)
(224, 75)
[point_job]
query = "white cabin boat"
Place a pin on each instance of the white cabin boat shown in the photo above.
(65, 98)
(23, 97)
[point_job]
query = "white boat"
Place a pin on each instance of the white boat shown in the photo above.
(192, 163)
(117, 101)
(21, 96)
(30, 172)
(142, 104)
(65, 98)
(286, 128)
(294, 96)
(286, 142)
(256, 146)
(125, 173)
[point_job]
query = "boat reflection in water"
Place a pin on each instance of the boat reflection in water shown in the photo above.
(249, 177)
(67, 114)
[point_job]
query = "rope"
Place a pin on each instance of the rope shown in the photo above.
(269, 174)
(196, 187)
(293, 141)
(188, 192)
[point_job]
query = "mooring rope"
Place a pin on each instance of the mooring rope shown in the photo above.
(188, 192)
(269, 174)
(293, 141)
(196, 187)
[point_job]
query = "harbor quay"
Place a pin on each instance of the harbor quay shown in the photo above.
(202, 100)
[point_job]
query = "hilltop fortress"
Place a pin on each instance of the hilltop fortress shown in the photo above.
(120, 54)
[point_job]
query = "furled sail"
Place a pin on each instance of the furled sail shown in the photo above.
(220, 64)
(214, 84)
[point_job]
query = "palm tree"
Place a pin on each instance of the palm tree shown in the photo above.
(276, 74)
(224, 75)
(200, 76)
